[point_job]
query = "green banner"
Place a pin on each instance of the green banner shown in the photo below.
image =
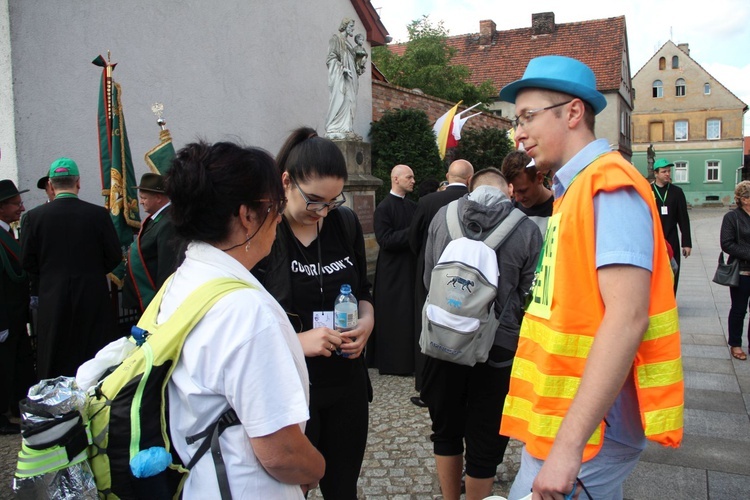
(119, 186)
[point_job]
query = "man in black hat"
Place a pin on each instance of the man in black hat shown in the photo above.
(43, 183)
(16, 361)
(71, 245)
(153, 255)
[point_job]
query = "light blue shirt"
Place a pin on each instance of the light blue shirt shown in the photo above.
(624, 235)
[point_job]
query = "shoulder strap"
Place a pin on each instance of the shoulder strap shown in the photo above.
(496, 237)
(504, 229)
(347, 218)
(454, 224)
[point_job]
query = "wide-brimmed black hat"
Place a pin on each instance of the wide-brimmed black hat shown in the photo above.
(8, 190)
(152, 182)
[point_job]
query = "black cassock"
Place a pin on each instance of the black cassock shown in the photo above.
(393, 338)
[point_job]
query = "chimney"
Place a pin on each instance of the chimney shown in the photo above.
(486, 31)
(684, 47)
(543, 23)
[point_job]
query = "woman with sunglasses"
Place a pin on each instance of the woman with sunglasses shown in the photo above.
(242, 354)
(319, 247)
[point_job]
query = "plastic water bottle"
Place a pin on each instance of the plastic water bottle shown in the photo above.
(345, 312)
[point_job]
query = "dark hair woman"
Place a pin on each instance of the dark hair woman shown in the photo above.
(243, 354)
(319, 248)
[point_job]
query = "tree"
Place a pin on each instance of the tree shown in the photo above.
(484, 147)
(404, 136)
(426, 65)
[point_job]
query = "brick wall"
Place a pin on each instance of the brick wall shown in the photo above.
(386, 96)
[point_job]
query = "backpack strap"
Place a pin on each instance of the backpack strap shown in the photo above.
(213, 431)
(496, 237)
(455, 229)
(504, 229)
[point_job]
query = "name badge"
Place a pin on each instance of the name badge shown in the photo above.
(664, 210)
(323, 318)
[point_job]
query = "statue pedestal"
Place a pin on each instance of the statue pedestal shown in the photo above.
(360, 192)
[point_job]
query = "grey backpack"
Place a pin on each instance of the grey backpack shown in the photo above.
(458, 318)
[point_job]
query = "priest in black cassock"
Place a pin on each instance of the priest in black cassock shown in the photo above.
(392, 342)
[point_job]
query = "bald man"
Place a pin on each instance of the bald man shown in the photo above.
(458, 176)
(392, 343)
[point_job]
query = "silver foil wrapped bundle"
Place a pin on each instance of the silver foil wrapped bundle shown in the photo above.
(52, 463)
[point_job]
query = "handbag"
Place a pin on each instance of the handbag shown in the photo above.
(727, 274)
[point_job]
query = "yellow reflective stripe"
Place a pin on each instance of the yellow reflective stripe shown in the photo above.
(662, 325)
(551, 386)
(545, 426)
(35, 462)
(554, 342)
(659, 374)
(664, 420)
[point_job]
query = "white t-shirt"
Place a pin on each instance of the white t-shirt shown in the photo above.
(243, 354)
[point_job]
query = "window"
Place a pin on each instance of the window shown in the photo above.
(713, 171)
(658, 90)
(680, 171)
(707, 88)
(713, 129)
(675, 62)
(681, 130)
(679, 87)
(662, 63)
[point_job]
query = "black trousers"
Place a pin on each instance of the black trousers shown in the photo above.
(466, 405)
(17, 372)
(339, 419)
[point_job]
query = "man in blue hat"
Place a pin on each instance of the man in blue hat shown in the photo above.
(587, 373)
(672, 206)
(71, 245)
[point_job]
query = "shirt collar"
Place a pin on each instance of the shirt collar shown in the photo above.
(155, 214)
(575, 165)
(4, 225)
(397, 195)
(212, 256)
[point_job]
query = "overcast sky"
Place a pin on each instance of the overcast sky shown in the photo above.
(718, 32)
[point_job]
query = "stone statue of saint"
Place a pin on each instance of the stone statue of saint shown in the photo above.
(345, 63)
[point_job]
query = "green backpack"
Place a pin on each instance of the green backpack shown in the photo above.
(128, 410)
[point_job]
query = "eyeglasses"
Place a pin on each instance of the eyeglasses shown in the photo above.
(525, 118)
(317, 206)
(277, 205)
(15, 203)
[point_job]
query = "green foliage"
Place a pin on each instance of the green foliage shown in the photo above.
(404, 136)
(484, 147)
(426, 65)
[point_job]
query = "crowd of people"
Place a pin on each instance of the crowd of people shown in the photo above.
(583, 368)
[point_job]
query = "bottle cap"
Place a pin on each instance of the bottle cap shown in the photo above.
(346, 289)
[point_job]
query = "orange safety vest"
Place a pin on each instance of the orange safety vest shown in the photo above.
(564, 315)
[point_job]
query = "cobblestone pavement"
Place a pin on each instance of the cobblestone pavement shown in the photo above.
(399, 463)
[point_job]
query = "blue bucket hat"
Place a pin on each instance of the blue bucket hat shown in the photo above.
(559, 73)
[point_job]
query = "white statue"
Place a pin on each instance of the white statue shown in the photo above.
(345, 63)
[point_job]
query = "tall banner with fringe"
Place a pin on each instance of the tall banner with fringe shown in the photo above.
(119, 186)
